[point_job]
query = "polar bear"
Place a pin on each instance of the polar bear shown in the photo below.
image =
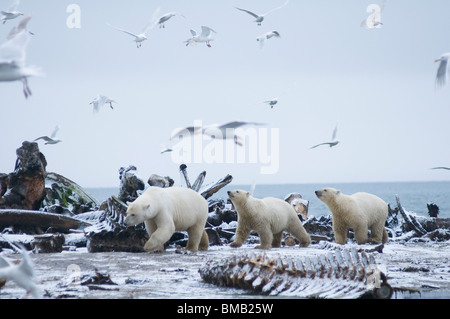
(269, 217)
(166, 210)
(360, 212)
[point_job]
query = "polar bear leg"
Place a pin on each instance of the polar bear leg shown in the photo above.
(298, 231)
(378, 234)
(242, 233)
(276, 242)
(195, 236)
(159, 237)
(204, 242)
(340, 232)
(361, 236)
(265, 238)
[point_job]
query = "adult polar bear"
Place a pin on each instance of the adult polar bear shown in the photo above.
(166, 210)
(360, 212)
(269, 217)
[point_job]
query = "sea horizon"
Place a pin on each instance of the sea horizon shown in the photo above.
(414, 196)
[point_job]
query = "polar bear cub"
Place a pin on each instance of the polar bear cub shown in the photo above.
(269, 217)
(360, 212)
(166, 210)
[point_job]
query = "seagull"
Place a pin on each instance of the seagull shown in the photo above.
(205, 36)
(11, 13)
(442, 167)
(262, 38)
(167, 17)
(222, 131)
(100, 101)
(12, 61)
(333, 142)
(374, 20)
(22, 274)
(260, 17)
(52, 140)
(166, 150)
(441, 77)
(272, 103)
(21, 27)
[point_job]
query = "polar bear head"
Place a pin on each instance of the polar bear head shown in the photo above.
(238, 197)
(137, 212)
(328, 195)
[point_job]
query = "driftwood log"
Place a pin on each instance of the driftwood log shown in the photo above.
(25, 187)
(209, 191)
(130, 184)
(36, 221)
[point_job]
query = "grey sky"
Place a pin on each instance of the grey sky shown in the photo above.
(379, 86)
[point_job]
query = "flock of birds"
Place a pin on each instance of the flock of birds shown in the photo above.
(13, 67)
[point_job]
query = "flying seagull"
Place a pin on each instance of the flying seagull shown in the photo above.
(52, 140)
(441, 77)
(12, 61)
(189, 130)
(11, 13)
(260, 17)
(442, 167)
(262, 38)
(272, 103)
(141, 37)
(223, 131)
(21, 27)
(204, 37)
(333, 141)
(21, 274)
(100, 101)
(166, 17)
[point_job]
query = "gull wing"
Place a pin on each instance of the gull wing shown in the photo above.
(55, 131)
(194, 33)
(333, 138)
(206, 31)
(249, 12)
(237, 124)
(45, 138)
(282, 6)
(14, 6)
(125, 31)
(153, 22)
(442, 167)
(15, 49)
(21, 27)
(441, 76)
(315, 146)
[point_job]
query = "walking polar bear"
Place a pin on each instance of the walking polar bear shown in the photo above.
(269, 217)
(360, 212)
(166, 210)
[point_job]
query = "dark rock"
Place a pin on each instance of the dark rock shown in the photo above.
(433, 210)
(25, 187)
(45, 244)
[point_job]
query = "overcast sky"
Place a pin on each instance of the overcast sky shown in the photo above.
(379, 85)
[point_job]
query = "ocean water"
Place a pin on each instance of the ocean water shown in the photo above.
(414, 196)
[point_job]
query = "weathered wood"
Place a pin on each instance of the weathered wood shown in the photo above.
(183, 171)
(130, 184)
(207, 193)
(160, 181)
(409, 219)
(27, 218)
(199, 181)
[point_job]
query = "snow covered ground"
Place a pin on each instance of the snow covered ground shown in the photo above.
(414, 270)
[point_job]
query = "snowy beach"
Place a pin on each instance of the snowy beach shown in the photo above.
(414, 270)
